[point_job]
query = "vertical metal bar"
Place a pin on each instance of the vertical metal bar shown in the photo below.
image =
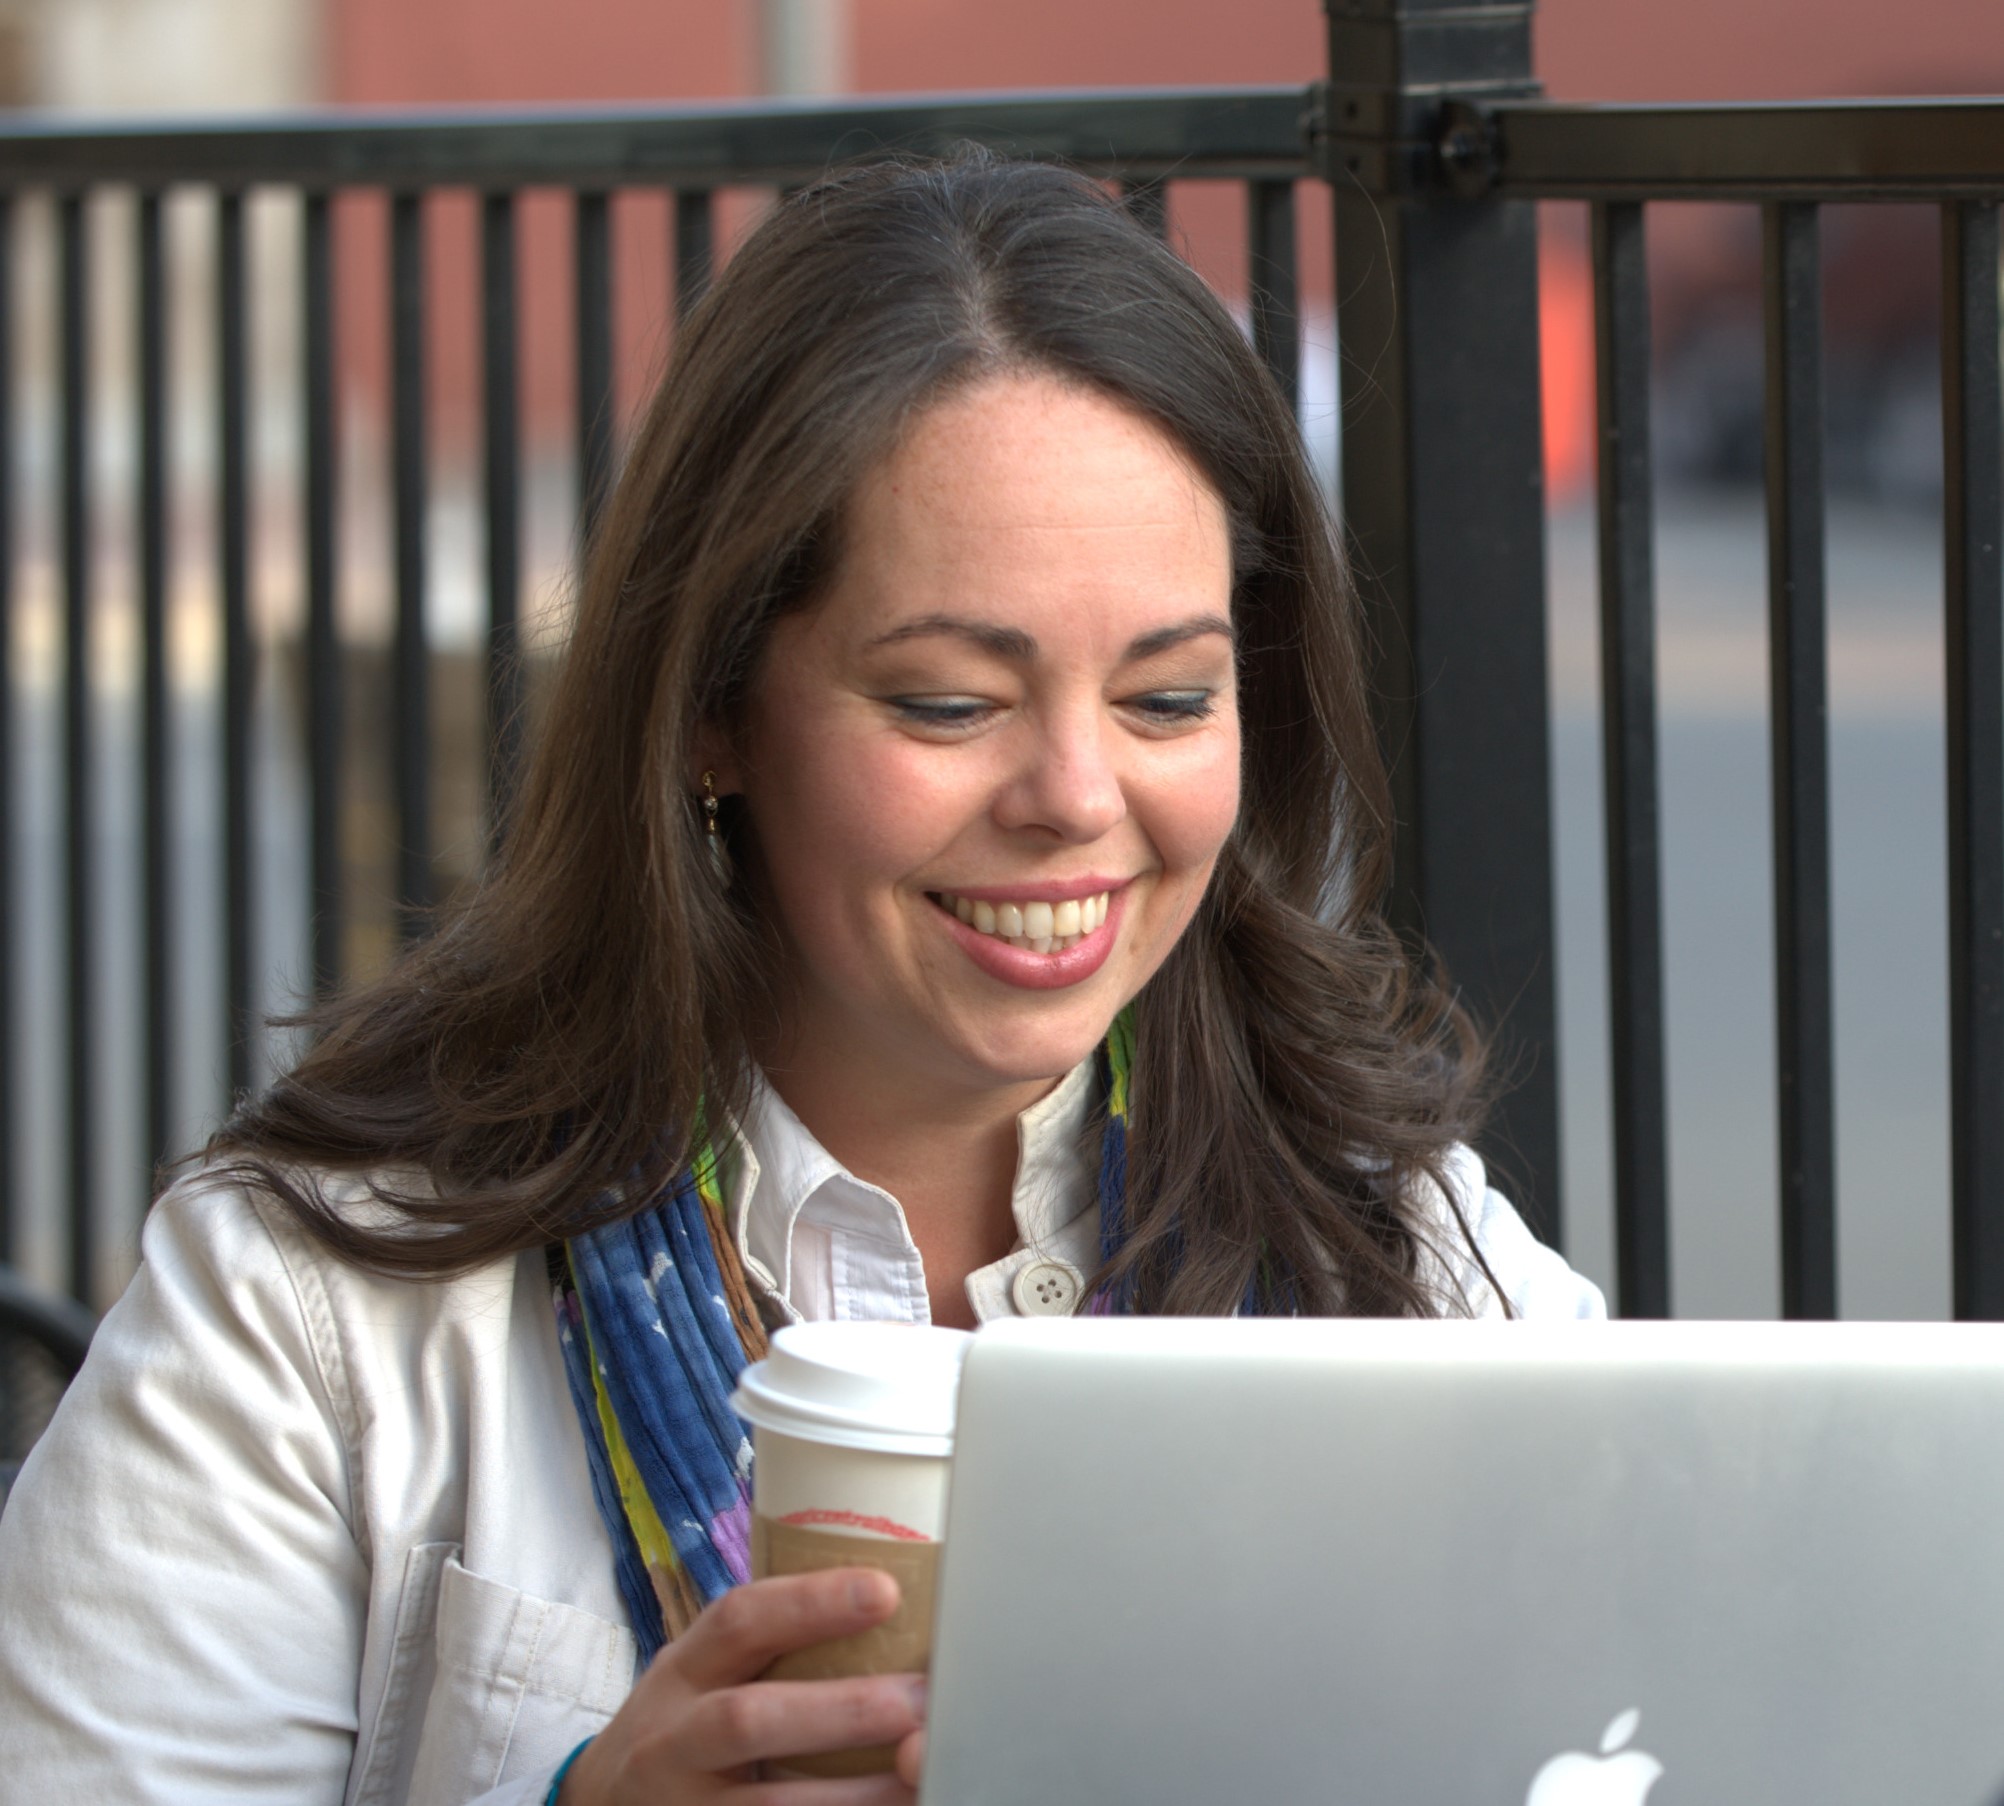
(323, 632)
(501, 352)
(10, 1250)
(1628, 700)
(411, 752)
(156, 824)
(79, 877)
(1148, 201)
(1973, 426)
(1443, 499)
(1798, 684)
(593, 243)
(1275, 283)
(233, 528)
(695, 247)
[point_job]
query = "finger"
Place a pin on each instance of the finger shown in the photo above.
(911, 1759)
(855, 1790)
(772, 1720)
(740, 1635)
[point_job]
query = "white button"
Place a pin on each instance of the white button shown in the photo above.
(1047, 1288)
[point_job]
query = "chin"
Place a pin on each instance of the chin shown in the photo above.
(1027, 1054)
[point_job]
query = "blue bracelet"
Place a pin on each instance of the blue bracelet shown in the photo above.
(563, 1768)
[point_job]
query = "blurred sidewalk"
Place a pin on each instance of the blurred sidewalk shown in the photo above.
(1889, 903)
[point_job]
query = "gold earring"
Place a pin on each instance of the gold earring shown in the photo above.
(720, 859)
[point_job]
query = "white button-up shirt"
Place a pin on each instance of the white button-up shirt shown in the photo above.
(826, 1244)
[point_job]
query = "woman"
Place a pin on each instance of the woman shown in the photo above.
(947, 886)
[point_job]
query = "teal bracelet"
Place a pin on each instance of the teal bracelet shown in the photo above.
(563, 1768)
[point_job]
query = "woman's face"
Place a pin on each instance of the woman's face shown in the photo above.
(989, 773)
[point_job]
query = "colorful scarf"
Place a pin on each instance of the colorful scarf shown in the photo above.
(656, 1322)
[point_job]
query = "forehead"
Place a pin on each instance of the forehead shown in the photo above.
(1031, 450)
(1025, 494)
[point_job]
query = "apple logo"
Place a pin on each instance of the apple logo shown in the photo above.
(1618, 1776)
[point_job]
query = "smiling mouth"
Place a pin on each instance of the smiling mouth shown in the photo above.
(1034, 926)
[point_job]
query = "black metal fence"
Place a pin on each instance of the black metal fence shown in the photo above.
(1789, 160)
(1434, 148)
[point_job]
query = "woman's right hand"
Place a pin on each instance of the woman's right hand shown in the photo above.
(699, 1723)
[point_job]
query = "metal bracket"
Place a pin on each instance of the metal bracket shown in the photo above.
(1468, 151)
(1450, 146)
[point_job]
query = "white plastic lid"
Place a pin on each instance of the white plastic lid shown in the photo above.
(890, 1387)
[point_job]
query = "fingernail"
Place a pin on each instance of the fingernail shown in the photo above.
(871, 1592)
(917, 1687)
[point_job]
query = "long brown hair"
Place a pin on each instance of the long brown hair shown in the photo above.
(538, 1066)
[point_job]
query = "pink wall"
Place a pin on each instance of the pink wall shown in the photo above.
(418, 50)
(405, 51)
(1083, 43)
(1768, 49)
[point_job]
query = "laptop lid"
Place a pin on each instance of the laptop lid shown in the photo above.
(1535, 1565)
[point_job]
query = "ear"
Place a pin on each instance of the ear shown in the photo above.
(711, 751)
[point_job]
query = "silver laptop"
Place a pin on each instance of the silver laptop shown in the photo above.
(1580, 1565)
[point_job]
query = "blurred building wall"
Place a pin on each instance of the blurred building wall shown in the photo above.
(1587, 49)
(426, 51)
(1768, 49)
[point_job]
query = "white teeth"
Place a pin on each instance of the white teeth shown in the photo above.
(1039, 927)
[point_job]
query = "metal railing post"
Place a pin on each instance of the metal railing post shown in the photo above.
(1437, 322)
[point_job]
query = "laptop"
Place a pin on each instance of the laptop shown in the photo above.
(1467, 1563)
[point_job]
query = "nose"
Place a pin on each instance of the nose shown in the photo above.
(1068, 783)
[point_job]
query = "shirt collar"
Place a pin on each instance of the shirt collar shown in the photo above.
(779, 1166)
(1054, 1180)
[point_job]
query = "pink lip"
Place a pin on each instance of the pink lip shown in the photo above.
(1031, 971)
(1063, 890)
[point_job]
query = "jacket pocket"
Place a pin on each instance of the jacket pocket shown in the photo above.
(516, 1683)
(387, 1753)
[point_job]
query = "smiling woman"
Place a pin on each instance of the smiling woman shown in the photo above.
(953, 859)
(1015, 701)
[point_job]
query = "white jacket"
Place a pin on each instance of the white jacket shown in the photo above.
(299, 1535)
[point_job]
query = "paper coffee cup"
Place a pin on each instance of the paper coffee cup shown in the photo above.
(852, 1433)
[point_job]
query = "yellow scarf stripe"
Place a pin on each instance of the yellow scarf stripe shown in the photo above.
(708, 1186)
(1120, 1061)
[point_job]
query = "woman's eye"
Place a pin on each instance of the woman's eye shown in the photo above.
(1169, 706)
(940, 711)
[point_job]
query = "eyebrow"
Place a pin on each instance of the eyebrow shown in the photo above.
(1165, 638)
(1014, 644)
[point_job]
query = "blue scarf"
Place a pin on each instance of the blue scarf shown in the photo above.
(657, 1321)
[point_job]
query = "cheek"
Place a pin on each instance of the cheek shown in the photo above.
(840, 815)
(1191, 815)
